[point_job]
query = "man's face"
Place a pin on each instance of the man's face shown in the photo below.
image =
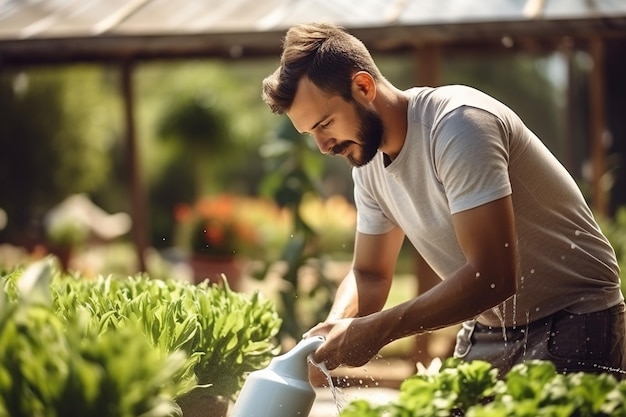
(339, 127)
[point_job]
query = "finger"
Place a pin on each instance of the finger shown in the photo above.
(321, 356)
(318, 356)
(315, 331)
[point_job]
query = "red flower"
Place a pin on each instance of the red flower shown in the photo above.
(216, 225)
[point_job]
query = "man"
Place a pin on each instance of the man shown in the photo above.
(498, 219)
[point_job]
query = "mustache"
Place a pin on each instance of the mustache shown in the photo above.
(339, 148)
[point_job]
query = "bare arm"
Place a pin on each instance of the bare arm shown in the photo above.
(487, 237)
(366, 287)
(426, 277)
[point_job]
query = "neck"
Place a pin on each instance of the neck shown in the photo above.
(392, 105)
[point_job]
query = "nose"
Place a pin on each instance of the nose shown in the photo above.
(324, 144)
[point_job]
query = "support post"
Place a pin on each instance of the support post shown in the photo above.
(598, 126)
(429, 65)
(429, 74)
(138, 206)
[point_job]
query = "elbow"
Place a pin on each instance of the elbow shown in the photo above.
(499, 284)
(502, 275)
(509, 287)
(505, 285)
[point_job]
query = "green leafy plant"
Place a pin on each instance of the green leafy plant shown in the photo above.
(292, 174)
(472, 389)
(224, 334)
(615, 230)
(66, 233)
(60, 366)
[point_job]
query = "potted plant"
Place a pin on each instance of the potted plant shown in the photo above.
(220, 232)
(63, 237)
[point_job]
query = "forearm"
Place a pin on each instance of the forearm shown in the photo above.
(487, 237)
(366, 287)
(359, 295)
(462, 296)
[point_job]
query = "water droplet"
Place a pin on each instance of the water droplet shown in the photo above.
(477, 274)
(493, 285)
(577, 232)
(506, 245)
(573, 246)
(532, 271)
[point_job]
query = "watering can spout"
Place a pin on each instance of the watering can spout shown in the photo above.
(283, 388)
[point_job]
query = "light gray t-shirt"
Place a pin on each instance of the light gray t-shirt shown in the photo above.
(464, 149)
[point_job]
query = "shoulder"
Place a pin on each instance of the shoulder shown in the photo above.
(437, 102)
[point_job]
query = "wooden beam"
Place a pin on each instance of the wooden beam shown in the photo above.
(138, 206)
(598, 126)
(429, 65)
(570, 160)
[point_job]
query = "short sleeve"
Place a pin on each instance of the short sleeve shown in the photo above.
(471, 154)
(370, 217)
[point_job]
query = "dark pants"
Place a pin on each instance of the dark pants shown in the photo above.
(594, 342)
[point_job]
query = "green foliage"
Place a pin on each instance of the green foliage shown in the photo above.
(67, 233)
(202, 122)
(532, 389)
(198, 122)
(61, 366)
(292, 173)
(615, 230)
(55, 130)
(224, 334)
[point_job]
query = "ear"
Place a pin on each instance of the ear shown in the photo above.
(363, 87)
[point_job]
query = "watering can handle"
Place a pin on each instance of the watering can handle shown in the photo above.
(294, 363)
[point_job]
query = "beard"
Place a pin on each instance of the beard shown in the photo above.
(369, 137)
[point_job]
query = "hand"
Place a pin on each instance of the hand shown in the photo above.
(351, 342)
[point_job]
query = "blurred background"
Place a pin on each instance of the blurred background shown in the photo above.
(133, 137)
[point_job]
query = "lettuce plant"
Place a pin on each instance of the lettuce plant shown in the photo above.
(60, 366)
(471, 389)
(224, 334)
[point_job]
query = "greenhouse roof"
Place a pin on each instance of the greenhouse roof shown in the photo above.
(65, 30)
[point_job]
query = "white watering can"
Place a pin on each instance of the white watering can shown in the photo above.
(283, 388)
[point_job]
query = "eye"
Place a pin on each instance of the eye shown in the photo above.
(325, 125)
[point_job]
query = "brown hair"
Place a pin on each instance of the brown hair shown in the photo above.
(325, 53)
